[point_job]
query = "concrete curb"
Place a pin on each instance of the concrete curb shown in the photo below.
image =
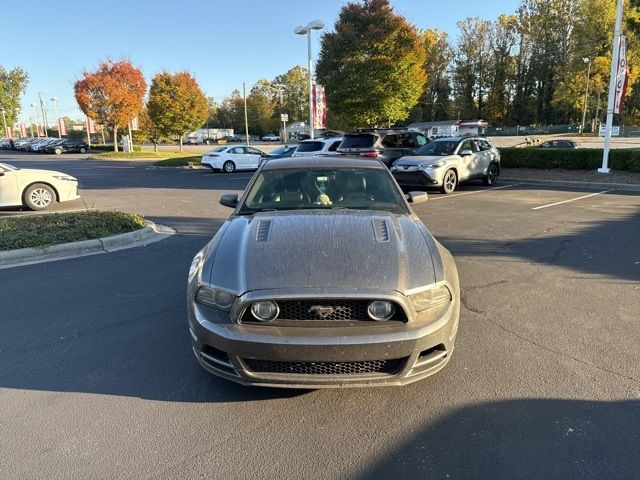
(28, 256)
(179, 167)
(634, 187)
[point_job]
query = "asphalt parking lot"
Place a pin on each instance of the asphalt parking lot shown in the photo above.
(97, 378)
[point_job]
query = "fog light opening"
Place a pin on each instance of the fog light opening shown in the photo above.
(265, 311)
(381, 310)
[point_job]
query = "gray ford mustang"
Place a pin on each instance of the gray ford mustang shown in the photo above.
(323, 277)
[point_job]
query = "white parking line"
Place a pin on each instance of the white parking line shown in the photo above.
(444, 197)
(572, 199)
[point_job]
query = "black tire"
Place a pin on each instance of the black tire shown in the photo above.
(229, 167)
(492, 174)
(58, 151)
(82, 149)
(449, 181)
(39, 196)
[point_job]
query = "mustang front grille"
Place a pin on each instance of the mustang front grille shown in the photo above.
(385, 367)
(324, 309)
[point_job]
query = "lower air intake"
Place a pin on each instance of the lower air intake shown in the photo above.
(386, 367)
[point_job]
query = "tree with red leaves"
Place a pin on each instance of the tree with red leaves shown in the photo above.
(112, 95)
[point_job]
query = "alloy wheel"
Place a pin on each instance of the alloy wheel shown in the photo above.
(41, 197)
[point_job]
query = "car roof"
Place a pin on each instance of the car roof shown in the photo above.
(322, 139)
(328, 161)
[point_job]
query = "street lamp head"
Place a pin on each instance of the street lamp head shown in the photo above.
(54, 99)
(316, 25)
(301, 30)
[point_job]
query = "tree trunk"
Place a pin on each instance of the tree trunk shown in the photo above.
(115, 138)
(155, 147)
(181, 142)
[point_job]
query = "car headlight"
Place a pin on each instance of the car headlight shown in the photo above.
(65, 177)
(196, 263)
(265, 311)
(381, 310)
(214, 298)
(394, 167)
(435, 165)
(431, 298)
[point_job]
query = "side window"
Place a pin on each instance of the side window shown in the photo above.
(252, 151)
(476, 146)
(334, 146)
(466, 145)
(421, 139)
(236, 150)
(390, 141)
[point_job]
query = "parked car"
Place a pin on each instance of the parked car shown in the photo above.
(229, 158)
(67, 146)
(319, 146)
(35, 189)
(42, 144)
(385, 145)
(446, 162)
(323, 277)
(281, 152)
(559, 144)
(270, 137)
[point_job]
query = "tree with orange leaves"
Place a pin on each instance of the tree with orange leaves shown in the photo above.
(112, 94)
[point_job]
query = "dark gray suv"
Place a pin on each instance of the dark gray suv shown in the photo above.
(386, 145)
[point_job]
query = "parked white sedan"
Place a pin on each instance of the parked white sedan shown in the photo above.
(35, 189)
(230, 158)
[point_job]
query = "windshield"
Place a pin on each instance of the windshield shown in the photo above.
(219, 149)
(7, 167)
(309, 147)
(281, 150)
(323, 188)
(364, 140)
(438, 147)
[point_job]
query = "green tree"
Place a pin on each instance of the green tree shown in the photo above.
(295, 95)
(502, 41)
(13, 84)
(148, 131)
(371, 65)
(176, 104)
(261, 108)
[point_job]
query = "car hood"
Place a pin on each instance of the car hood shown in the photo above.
(320, 249)
(413, 160)
(34, 172)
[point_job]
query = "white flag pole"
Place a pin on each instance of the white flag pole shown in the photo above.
(612, 90)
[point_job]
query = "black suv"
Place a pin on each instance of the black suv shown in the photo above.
(67, 146)
(386, 145)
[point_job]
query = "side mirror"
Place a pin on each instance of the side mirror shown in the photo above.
(466, 153)
(229, 200)
(417, 197)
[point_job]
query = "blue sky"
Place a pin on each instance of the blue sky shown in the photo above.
(222, 43)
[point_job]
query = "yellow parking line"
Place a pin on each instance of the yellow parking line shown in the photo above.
(572, 199)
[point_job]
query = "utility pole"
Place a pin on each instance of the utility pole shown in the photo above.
(246, 119)
(612, 89)
(44, 114)
(586, 95)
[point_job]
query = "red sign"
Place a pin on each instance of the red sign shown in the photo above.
(91, 125)
(40, 131)
(9, 131)
(62, 128)
(319, 107)
(133, 123)
(622, 77)
(23, 130)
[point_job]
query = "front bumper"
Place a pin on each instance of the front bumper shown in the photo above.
(416, 177)
(308, 356)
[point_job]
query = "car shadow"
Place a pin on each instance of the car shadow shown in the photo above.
(523, 439)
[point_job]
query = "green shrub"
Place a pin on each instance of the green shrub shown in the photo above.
(137, 148)
(51, 229)
(569, 159)
(109, 148)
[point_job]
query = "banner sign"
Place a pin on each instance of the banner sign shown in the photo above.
(9, 132)
(91, 125)
(615, 131)
(40, 131)
(23, 130)
(133, 124)
(622, 77)
(62, 128)
(319, 107)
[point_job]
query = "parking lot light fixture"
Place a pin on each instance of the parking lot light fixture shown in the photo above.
(306, 30)
(55, 108)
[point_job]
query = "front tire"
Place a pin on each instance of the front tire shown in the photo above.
(492, 174)
(58, 151)
(82, 149)
(39, 196)
(449, 181)
(229, 166)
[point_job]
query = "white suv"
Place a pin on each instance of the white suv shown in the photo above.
(318, 146)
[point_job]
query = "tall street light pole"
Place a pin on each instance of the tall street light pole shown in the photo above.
(44, 114)
(306, 30)
(55, 108)
(612, 89)
(586, 94)
(35, 118)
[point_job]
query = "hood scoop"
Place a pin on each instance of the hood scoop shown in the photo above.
(380, 230)
(262, 232)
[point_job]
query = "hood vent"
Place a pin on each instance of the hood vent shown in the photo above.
(262, 233)
(380, 229)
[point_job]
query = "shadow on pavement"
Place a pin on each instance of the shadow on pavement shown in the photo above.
(523, 439)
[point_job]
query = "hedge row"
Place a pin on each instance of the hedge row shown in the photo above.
(569, 159)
